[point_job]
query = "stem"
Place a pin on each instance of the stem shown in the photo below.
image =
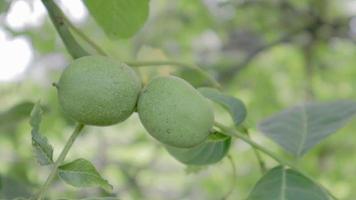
(309, 71)
(254, 144)
(213, 82)
(58, 20)
(234, 175)
(59, 160)
(84, 37)
(258, 156)
(281, 161)
(260, 161)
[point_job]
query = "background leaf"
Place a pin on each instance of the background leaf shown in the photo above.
(3, 6)
(234, 106)
(209, 152)
(81, 173)
(119, 18)
(12, 188)
(302, 127)
(286, 184)
(43, 150)
(16, 113)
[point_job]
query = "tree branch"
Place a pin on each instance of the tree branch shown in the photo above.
(230, 73)
(58, 20)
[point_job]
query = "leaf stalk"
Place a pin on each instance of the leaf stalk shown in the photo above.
(233, 132)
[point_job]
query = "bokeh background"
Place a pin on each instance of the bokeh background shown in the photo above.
(272, 54)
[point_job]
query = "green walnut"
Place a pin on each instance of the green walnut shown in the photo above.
(174, 112)
(96, 90)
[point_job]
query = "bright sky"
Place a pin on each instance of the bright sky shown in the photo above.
(16, 53)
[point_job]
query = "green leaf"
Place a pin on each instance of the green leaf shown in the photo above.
(12, 188)
(4, 5)
(43, 150)
(81, 173)
(119, 18)
(209, 152)
(16, 113)
(234, 106)
(300, 128)
(286, 184)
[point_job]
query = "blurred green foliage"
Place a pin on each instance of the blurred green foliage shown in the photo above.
(271, 54)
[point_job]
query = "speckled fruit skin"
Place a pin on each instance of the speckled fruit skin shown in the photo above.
(174, 112)
(96, 90)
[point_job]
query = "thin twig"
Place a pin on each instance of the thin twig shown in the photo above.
(251, 55)
(213, 82)
(309, 69)
(258, 156)
(131, 181)
(246, 139)
(234, 176)
(80, 33)
(59, 161)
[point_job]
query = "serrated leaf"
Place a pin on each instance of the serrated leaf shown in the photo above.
(300, 128)
(43, 150)
(234, 106)
(286, 184)
(209, 152)
(81, 173)
(36, 116)
(119, 18)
